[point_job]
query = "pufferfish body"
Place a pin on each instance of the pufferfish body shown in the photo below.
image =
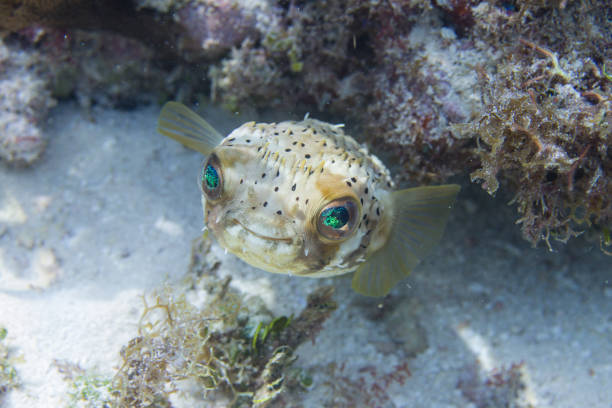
(306, 199)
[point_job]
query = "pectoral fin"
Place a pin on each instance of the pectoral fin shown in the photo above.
(182, 124)
(420, 215)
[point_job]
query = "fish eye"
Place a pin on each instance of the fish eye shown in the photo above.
(337, 219)
(211, 180)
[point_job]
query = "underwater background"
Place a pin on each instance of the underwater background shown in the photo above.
(111, 296)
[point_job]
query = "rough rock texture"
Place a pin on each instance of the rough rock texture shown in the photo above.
(24, 102)
(117, 16)
(107, 68)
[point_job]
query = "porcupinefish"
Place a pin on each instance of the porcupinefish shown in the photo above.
(304, 198)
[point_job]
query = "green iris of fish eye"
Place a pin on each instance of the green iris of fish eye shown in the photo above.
(210, 177)
(335, 217)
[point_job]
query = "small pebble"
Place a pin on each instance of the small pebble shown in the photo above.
(46, 267)
(448, 33)
(25, 240)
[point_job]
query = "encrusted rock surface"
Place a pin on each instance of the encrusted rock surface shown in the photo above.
(24, 102)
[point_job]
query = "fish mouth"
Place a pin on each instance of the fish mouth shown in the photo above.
(278, 239)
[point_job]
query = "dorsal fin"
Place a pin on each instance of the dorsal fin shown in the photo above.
(184, 125)
(420, 215)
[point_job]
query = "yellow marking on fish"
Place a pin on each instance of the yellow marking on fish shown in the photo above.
(304, 198)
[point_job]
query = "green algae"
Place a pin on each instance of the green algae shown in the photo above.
(8, 374)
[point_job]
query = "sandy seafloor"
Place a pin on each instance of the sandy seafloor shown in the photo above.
(110, 212)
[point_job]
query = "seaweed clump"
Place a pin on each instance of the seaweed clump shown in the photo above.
(88, 389)
(222, 350)
(545, 131)
(8, 374)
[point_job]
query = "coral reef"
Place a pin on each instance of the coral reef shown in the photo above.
(214, 27)
(403, 74)
(106, 69)
(423, 86)
(549, 141)
(313, 55)
(304, 57)
(117, 16)
(422, 78)
(545, 124)
(389, 68)
(24, 103)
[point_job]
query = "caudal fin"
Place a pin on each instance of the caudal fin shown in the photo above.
(183, 125)
(419, 220)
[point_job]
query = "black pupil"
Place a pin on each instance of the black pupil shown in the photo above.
(210, 177)
(335, 217)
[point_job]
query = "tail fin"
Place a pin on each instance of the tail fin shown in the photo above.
(419, 220)
(183, 125)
